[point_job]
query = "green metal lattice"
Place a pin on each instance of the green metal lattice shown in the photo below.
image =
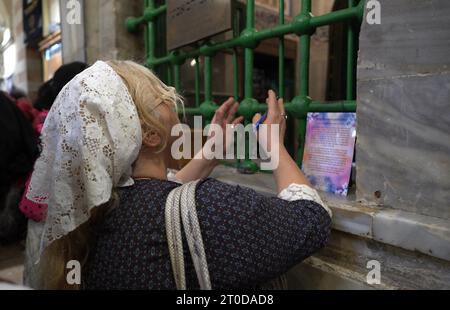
(303, 25)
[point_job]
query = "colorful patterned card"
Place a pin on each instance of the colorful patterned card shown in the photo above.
(329, 149)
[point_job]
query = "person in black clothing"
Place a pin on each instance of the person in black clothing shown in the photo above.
(19, 150)
(48, 92)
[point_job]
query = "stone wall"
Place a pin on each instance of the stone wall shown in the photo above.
(106, 35)
(403, 148)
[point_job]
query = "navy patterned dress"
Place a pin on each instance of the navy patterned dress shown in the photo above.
(249, 238)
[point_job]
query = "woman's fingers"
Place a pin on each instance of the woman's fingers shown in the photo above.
(256, 118)
(282, 112)
(222, 112)
(218, 116)
(281, 106)
(227, 105)
(238, 120)
(284, 117)
(232, 112)
(227, 111)
(272, 104)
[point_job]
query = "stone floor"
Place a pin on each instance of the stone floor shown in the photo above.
(11, 263)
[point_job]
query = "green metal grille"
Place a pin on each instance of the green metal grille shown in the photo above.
(303, 25)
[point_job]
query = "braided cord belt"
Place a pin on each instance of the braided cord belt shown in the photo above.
(180, 206)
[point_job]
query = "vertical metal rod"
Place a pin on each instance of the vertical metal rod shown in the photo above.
(197, 82)
(305, 42)
(236, 85)
(247, 164)
(147, 35)
(250, 17)
(208, 79)
(236, 33)
(169, 74)
(151, 34)
(177, 78)
(249, 60)
(248, 53)
(350, 81)
(281, 86)
(235, 76)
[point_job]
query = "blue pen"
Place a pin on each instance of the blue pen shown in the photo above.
(260, 122)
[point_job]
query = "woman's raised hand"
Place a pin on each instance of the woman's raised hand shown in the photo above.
(226, 115)
(276, 115)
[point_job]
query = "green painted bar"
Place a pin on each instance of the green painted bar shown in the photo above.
(281, 85)
(298, 25)
(235, 76)
(305, 47)
(151, 30)
(340, 106)
(191, 111)
(247, 165)
(337, 16)
(303, 25)
(236, 58)
(250, 14)
(208, 79)
(249, 58)
(150, 13)
(177, 78)
(169, 75)
(147, 35)
(153, 13)
(248, 52)
(350, 80)
(306, 7)
(317, 106)
(197, 82)
(314, 106)
(333, 17)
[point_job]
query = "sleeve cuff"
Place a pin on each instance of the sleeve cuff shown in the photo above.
(172, 176)
(302, 192)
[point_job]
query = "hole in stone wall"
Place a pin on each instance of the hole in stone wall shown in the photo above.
(377, 194)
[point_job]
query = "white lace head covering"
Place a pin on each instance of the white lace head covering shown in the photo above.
(91, 138)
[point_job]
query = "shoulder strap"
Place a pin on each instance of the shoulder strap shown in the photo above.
(181, 206)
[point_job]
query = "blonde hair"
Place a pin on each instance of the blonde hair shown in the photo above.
(147, 92)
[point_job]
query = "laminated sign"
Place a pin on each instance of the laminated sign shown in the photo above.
(329, 148)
